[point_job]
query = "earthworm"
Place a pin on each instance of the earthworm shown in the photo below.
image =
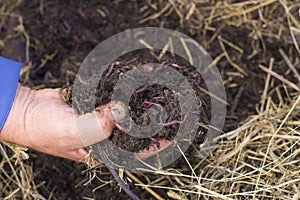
(111, 66)
(109, 70)
(160, 66)
(82, 14)
(158, 98)
(147, 104)
(124, 68)
(176, 121)
(172, 123)
(195, 76)
(67, 26)
(116, 176)
(155, 141)
(176, 66)
(146, 87)
(130, 61)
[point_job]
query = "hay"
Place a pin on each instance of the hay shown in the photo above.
(16, 177)
(259, 159)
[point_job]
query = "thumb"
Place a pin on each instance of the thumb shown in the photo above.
(97, 126)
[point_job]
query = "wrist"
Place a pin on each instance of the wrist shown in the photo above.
(15, 125)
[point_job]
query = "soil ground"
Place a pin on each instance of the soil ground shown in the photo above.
(62, 33)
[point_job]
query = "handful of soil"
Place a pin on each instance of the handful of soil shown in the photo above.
(150, 95)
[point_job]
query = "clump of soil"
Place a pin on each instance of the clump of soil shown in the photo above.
(142, 99)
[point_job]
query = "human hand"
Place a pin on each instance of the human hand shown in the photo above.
(40, 120)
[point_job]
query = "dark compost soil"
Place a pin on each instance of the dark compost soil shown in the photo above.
(145, 97)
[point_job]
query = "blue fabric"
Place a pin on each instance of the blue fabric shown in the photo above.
(9, 76)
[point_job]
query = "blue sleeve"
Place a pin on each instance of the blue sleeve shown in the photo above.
(9, 76)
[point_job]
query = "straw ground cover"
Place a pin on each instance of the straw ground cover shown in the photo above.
(255, 45)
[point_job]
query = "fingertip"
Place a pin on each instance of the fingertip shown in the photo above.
(119, 111)
(94, 127)
(97, 126)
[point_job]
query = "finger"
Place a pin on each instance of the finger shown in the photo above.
(78, 155)
(92, 128)
(98, 125)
